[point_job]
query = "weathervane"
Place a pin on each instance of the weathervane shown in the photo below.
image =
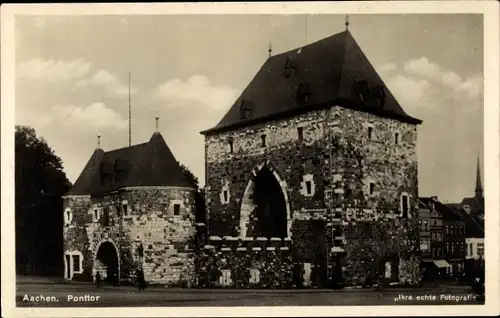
(347, 22)
(270, 49)
(156, 118)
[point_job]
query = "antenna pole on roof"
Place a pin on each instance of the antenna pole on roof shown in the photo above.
(347, 22)
(129, 114)
(305, 31)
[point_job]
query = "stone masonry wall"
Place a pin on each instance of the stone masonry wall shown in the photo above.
(166, 239)
(357, 162)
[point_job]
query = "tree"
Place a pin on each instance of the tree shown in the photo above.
(191, 178)
(199, 196)
(40, 182)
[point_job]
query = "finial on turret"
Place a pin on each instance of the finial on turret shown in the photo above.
(347, 22)
(270, 49)
(156, 118)
(98, 141)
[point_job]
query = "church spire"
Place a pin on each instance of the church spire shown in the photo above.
(479, 186)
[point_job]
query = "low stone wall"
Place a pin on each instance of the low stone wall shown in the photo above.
(245, 263)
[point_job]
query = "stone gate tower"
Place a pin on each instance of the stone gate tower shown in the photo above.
(131, 208)
(311, 176)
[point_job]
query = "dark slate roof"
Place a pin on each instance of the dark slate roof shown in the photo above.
(448, 213)
(146, 164)
(474, 227)
(329, 68)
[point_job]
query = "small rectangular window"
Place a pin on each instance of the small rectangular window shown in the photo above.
(396, 138)
(308, 187)
(106, 216)
(96, 215)
(370, 133)
(230, 143)
(177, 209)
(263, 139)
(372, 188)
(125, 210)
(76, 263)
(225, 195)
(404, 205)
(300, 133)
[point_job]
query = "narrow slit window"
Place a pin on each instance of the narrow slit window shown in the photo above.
(225, 195)
(230, 143)
(370, 133)
(125, 210)
(372, 188)
(404, 205)
(263, 140)
(396, 138)
(177, 209)
(300, 133)
(308, 187)
(76, 263)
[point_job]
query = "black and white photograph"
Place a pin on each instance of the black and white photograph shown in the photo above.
(175, 159)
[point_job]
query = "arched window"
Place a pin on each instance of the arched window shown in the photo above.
(68, 216)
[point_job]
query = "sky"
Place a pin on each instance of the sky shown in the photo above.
(72, 80)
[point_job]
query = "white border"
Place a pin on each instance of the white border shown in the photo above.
(489, 9)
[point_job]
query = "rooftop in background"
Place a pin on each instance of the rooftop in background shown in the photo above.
(331, 71)
(147, 164)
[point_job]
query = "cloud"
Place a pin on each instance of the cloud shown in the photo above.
(424, 87)
(95, 117)
(469, 88)
(387, 68)
(79, 72)
(108, 81)
(196, 92)
(52, 71)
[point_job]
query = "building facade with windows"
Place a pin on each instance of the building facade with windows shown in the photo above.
(311, 177)
(434, 264)
(131, 208)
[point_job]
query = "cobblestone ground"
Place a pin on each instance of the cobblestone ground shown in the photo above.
(128, 296)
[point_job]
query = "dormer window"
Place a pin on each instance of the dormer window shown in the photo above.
(120, 169)
(245, 109)
(290, 67)
(361, 90)
(380, 96)
(263, 141)
(303, 93)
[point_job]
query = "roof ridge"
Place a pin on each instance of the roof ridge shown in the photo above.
(126, 147)
(342, 62)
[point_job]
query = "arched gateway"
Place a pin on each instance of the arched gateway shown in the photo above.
(107, 261)
(265, 210)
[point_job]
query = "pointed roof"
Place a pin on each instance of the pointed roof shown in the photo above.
(479, 185)
(474, 226)
(328, 69)
(147, 164)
